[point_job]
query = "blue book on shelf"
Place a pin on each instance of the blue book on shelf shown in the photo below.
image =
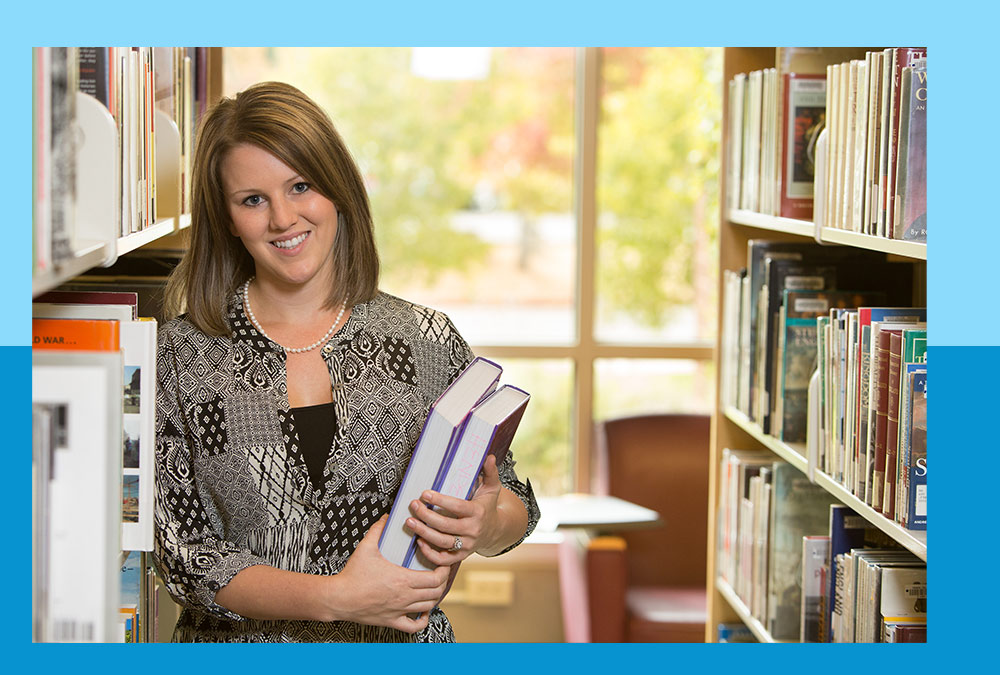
(916, 500)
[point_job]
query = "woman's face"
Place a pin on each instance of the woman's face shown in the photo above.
(287, 226)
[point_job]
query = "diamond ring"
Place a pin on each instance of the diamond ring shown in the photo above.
(457, 546)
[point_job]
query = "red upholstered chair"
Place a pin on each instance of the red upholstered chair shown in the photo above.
(660, 462)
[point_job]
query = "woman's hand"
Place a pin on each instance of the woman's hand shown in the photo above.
(486, 524)
(374, 591)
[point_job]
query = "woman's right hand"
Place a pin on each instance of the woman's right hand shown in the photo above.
(374, 591)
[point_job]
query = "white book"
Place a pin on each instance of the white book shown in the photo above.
(138, 343)
(440, 430)
(84, 390)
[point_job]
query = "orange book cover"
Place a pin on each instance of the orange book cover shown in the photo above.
(75, 334)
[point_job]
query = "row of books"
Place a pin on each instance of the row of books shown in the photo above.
(93, 407)
(841, 373)
(870, 400)
(857, 127)
(765, 364)
(875, 173)
(794, 558)
(774, 118)
(113, 131)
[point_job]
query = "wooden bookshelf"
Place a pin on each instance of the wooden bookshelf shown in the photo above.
(730, 427)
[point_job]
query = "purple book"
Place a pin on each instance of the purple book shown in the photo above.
(488, 430)
(444, 421)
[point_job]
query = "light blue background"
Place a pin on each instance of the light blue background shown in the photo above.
(963, 237)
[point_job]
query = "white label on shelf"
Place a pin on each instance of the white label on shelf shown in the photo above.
(920, 508)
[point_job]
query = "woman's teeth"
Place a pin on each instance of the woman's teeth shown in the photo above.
(291, 243)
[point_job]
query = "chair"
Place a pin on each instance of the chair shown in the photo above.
(660, 462)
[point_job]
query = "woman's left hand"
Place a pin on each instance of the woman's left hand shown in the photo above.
(474, 522)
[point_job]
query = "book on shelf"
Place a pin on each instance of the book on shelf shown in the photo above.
(804, 117)
(487, 431)
(80, 394)
(734, 632)
(903, 597)
(815, 568)
(799, 508)
(903, 456)
(904, 632)
(437, 442)
(62, 297)
(910, 211)
(847, 531)
(75, 334)
(915, 463)
(131, 604)
(781, 275)
(900, 58)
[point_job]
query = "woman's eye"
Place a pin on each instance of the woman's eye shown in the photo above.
(299, 188)
(253, 200)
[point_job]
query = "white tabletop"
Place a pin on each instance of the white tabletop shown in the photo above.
(596, 512)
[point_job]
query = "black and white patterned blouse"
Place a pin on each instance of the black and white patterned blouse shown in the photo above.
(233, 489)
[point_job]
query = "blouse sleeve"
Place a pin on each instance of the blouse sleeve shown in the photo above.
(508, 477)
(194, 561)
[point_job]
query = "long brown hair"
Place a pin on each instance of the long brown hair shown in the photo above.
(281, 120)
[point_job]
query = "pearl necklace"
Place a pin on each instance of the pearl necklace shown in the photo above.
(290, 350)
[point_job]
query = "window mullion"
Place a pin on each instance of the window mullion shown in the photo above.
(585, 206)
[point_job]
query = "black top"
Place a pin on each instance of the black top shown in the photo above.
(316, 425)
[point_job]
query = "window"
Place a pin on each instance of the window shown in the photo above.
(560, 205)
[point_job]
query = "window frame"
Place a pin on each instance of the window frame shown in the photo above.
(587, 349)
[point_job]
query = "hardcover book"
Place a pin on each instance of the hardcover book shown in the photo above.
(488, 430)
(444, 420)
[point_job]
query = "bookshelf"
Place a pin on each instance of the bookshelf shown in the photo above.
(731, 428)
(107, 219)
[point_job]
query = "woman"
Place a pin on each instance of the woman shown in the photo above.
(290, 396)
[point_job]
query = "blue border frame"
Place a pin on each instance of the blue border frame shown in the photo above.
(963, 246)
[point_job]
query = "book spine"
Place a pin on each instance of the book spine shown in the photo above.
(873, 494)
(892, 425)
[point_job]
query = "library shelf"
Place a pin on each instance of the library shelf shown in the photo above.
(87, 256)
(794, 453)
(751, 622)
(161, 228)
(916, 250)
